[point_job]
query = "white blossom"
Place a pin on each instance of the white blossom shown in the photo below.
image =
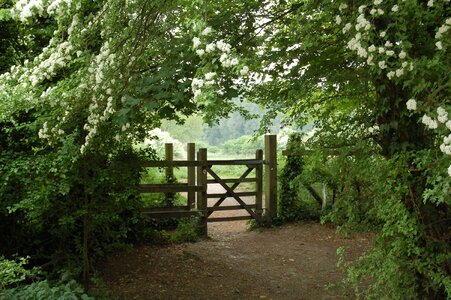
(371, 48)
(439, 45)
(244, 71)
(382, 64)
(343, 6)
(442, 29)
(402, 55)
(449, 171)
(207, 31)
(399, 72)
(429, 122)
(441, 111)
(347, 27)
(196, 42)
(200, 52)
(377, 2)
(442, 118)
(338, 19)
(223, 46)
(362, 8)
(210, 75)
(390, 74)
(395, 8)
(411, 104)
(448, 124)
(430, 3)
(210, 48)
(382, 34)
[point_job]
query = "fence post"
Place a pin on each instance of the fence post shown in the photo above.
(202, 196)
(271, 175)
(259, 185)
(169, 157)
(191, 156)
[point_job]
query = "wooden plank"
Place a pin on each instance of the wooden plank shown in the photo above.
(187, 163)
(228, 195)
(259, 185)
(231, 207)
(233, 180)
(169, 188)
(191, 173)
(271, 175)
(171, 214)
(234, 162)
(224, 219)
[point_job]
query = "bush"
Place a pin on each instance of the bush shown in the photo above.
(187, 231)
(43, 290)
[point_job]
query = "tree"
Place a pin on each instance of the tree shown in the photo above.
(375, 71)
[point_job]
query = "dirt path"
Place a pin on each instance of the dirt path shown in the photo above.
(294, 261)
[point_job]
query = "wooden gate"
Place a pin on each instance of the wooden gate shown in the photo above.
(254, 210)
(196, 186)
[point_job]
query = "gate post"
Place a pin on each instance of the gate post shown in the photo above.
(191, 156)
(202, 196)
(271, 176)
(169, 157)
(259, 185)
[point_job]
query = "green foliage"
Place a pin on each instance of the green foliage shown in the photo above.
(43, 290)
(294, 201)
(245, 144)
(187, 231)
(13, 271)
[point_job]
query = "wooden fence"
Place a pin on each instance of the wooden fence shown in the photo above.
(197, 182)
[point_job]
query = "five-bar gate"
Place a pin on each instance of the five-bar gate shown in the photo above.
(197, 186)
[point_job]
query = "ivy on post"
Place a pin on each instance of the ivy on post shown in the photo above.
(271, 176)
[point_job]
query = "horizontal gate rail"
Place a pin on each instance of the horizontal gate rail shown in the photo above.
(169, 187)
(170, 212)
(234, 180)
(189, 163)
(232, 207)
(222, 219)
(229, 195)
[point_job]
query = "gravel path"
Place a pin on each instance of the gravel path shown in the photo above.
(295, 261)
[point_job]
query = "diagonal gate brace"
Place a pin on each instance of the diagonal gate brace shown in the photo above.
(232, 193)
